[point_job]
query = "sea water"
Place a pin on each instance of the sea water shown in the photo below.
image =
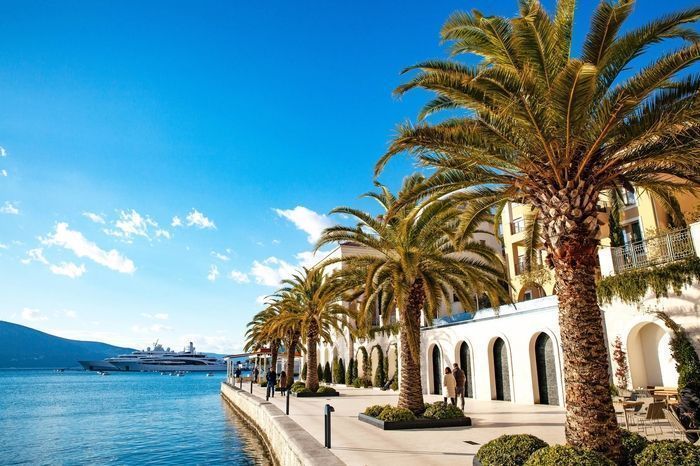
(77, 417)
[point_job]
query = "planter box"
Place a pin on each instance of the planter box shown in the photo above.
(415, 424)
(315, 395)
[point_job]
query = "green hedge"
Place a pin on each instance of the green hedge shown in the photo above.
(509, 450)
(327, 375)
(441, 410)
(379, 374)
(564, 455)
(392, 414)
(375, 410)
(339, 372)
(669, 453)
(326, 390)
(632, 445)
(296, 386)
(348, 373)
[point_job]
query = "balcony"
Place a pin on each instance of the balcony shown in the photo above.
(659, 250)
(516, 226)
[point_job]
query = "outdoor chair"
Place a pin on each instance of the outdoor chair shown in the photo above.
(653, 413)
(676, 425)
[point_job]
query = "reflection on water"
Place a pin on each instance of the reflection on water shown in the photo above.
(125, 418)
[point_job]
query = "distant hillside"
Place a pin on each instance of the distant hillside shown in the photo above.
(23, 347)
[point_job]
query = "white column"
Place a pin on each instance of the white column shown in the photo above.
(695, 237)
(607, 267)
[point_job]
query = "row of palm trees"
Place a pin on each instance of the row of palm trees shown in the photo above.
(530, 123)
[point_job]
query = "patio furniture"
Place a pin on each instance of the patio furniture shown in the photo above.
(676, 425)
(629, 408)
(653, 413)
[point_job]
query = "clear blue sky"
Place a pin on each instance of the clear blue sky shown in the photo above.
(248, 121)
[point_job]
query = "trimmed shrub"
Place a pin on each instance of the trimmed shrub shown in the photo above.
(263, 383)
(379, 374)
(392, 414)
(441, 410)
(509, 450)
(354, 369)
(327, 375)
(394, 385)
(632, 445)
(339, 371)
(365, 382)
(296, 386)
(334, 370)
(375, 410)
(303, 371)
(565, 455)
(348, 372)
(356, 383)
(669, 453)
(319, 372)
(304, 390)
(326, 390)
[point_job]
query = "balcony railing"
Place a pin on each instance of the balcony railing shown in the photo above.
(653, 251)
(516, 226)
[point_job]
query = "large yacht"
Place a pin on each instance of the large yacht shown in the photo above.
(158, 359)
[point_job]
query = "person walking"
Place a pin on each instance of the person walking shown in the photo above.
(460, 380)
(450, 385)
(256, 373)
(271, 382)
(283, 382)
(237, 374)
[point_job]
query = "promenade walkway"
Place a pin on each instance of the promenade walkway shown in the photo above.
(358, 443)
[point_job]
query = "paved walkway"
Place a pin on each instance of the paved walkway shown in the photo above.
(358, 443)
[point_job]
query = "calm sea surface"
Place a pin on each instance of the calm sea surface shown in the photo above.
(136, 418)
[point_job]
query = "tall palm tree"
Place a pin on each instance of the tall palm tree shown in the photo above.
(260, 333)
(315, 309)
(534, 124)
(416, 257)
(289, 328)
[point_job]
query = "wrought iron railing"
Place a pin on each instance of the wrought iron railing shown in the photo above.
(653, 251)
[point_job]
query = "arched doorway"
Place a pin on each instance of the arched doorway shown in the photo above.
(392, 356)
(437, 364)
(649, 358)
(465, 363)
(545, 362)
(531, 291)
(501, 370)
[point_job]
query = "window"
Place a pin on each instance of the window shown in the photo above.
(517, 225)
(527, 296)
(632, 232)
(629, 197)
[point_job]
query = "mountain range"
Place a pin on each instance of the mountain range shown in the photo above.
(24, 348)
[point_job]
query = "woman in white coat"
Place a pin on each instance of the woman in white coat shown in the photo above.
(450, 385)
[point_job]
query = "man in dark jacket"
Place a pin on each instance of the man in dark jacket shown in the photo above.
(271, 382)
(461, 379)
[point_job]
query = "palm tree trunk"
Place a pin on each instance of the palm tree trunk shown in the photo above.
(274, 351)
(590, 416)
(291, 349)
(410, 388)
(311, 357)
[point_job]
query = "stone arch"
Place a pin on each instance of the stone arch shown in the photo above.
(435, 370)
(501, 375)
(649, 357)
(463, 357)
(531, 291)
(544, 363)
(393, 356)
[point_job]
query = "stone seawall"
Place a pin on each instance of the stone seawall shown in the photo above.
(288, 442)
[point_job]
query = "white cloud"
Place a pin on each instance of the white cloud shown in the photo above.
(309, 259)
(213, 273)
(276, 241)
(262, 299)
(3, 246)
(94, 217)
(155, 328)
(306, 220)
(221, 344)
(68, 269)
(176, 222)
(35, 255)
(199, 220)
(271, 271)
(3, 172)
(3, 152)
(32, 315)
(239, 277)
(82, 247)
(220, 256)
(132, 224)
(9, 208)
(163, 234)
(70, 314)
(157, 316)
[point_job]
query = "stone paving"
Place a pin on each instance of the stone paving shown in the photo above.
(358, 443)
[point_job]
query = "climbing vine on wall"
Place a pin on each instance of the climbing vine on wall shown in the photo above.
(632, 286)
(687, 361)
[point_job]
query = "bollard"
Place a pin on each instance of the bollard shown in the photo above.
(251, 385)
(267, 393)
(240, 382)
(328, 409)
(287, 394)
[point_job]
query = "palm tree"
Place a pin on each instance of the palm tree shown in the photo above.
(288, 328)
(314, 309)
(261, 334)
(416, 257)
(533, 124)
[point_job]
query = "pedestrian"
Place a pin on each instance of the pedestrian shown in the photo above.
(256, 372)
(237, 374)
(450, 386)
(283, 382)
(460, 380)
(271, 382)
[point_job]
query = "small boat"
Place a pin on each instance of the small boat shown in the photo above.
(102, 373)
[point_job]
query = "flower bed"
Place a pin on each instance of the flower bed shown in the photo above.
(437, 415)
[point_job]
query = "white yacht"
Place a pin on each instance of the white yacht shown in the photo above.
(158, 359)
